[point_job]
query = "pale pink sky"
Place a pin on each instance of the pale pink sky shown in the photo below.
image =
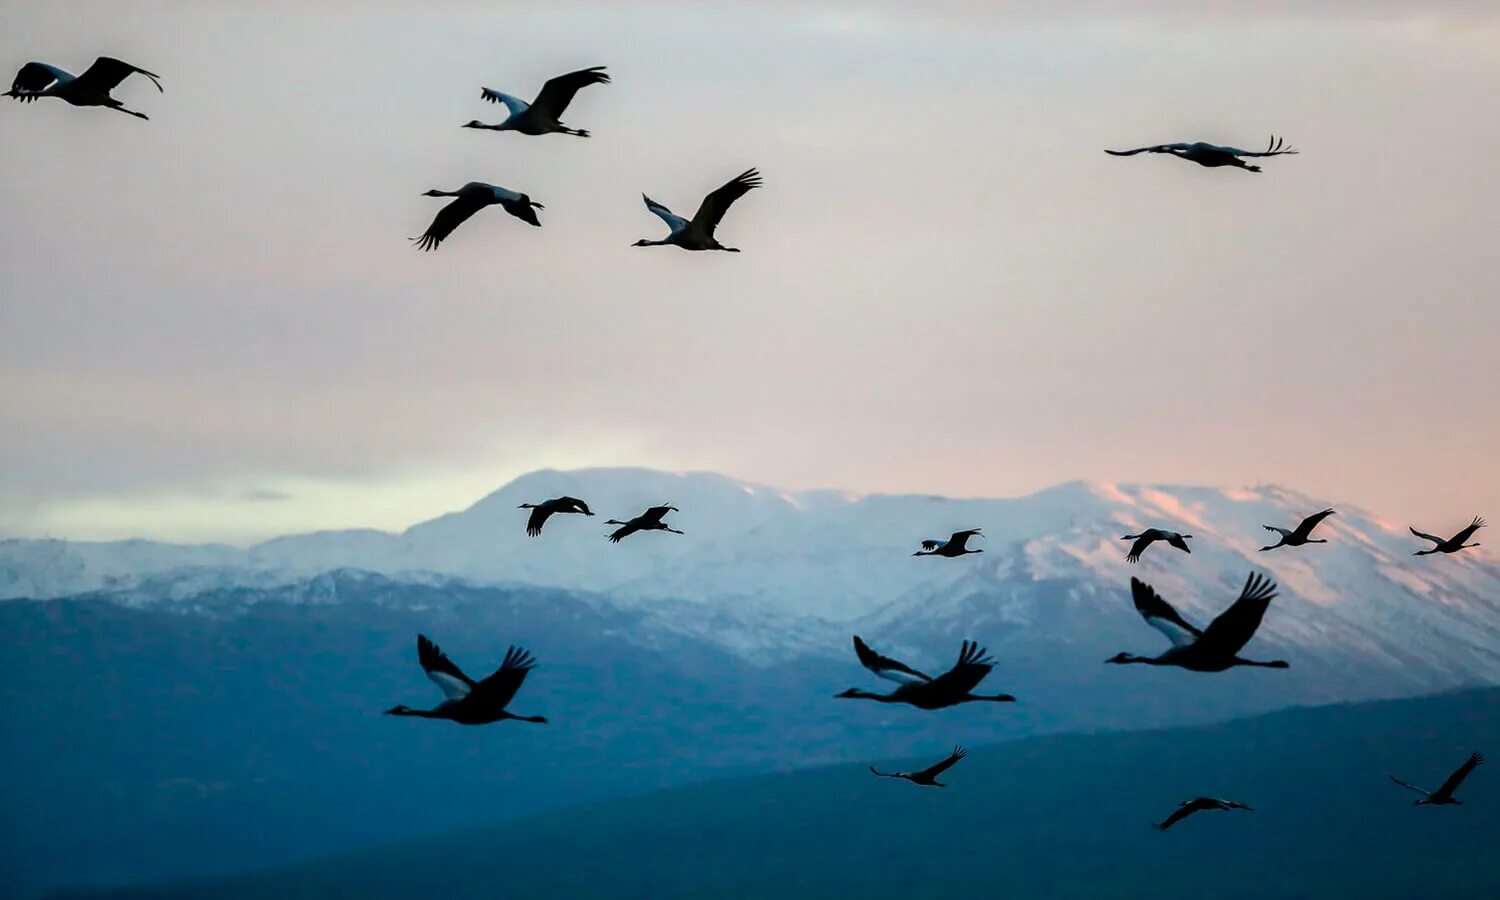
(212, 326)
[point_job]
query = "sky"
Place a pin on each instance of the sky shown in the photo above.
(213, 327)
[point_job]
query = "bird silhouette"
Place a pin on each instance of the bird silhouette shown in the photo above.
(1449, 545)
(540, 512)
(928, 776)
(1212, 155)
(1214, 649)
(957, 545)
(916, 689)
(1197, 805)
(470, 702)
(544, 114)
(1151, 536)
(471, 198)
(37, 80)
(1299, 535)
(1443, 796)
(650, 520)
(697, 233)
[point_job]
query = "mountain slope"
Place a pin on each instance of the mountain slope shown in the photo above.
(1051, 817)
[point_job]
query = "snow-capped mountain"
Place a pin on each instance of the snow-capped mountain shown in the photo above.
(760, 563)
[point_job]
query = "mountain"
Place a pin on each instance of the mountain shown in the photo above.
(1062, 816)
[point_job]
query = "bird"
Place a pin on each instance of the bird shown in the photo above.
(1151, 536)
(1214, 649)
(650, 520)
(1299, 536)
(1198, 804)
(948, 689)
(928, 776)
(953, 546)
(1453, 544)
(543, 115)
(36, 80)
(1212, 155)
(698, 233)
(473, 197)
(1443, 796)
(466, 701)
(540, 512)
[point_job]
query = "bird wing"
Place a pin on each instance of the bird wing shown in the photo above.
(1141, 543)
(1160, 615)
(657, 513)
(576, 504)
(1409, 787)
(1154, 148)
(449, 678)
(1311, 522)
(36, 77)
(1284, 532)
(973, 664)
(717, 203)
(523, 211)
(558, 92)
(515, 104)
(449, 218)
(624, 531)
(960, 539)
(1425, 536)
(106, 74)
(1178, 814)
(1459, 774)
(674, 221)
(931, 545)
(500, 687)
(1234, 627)
(937, 769)
(1179, 541)
(538, 518)
(885, 667)
(1468, 532)
(1276, 147)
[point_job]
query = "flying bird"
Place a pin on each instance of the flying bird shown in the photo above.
(92, 88)
(1199, 804)
(1299, 536)
(948, 689)
(466, 701)
(544, 114)
(540, 512)
(928, 776)
(953, 546)
(1211, 650)
(1443, 796)
(471, 198)
(650, 520)
(698, 233)
(1212, 155)
(1151, 536)
(1450, 545)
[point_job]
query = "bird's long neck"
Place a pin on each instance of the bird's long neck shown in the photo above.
(1143, 660)
(996, 698)
(1272, 664)
(615, 522)
(540, 720)
(408, 711)
(866, 695)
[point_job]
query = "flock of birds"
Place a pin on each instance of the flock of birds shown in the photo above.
(469, 702)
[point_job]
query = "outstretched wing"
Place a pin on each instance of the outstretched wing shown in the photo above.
(885, 667)
(656, 513)
(576, 504)
(106, 74)
(449, 218)
(515, 104)
(1160, 615)
(1277, 147)
(931, 545)
(960, 539)
(500, 687)
(1234, 627)
(624, 531)
(717, 203)
(1468, 532)
(538, 518)
(558, 92)
(34, 78)
(1140, 545)
(1459, 774)
(934, 771)
(973, 664)
(1154, 148)
(674, 221)
(449, 678)
(1178, 814)
(1425, 536)
(1311, 522)
(1284, 532)
(1409, 787)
